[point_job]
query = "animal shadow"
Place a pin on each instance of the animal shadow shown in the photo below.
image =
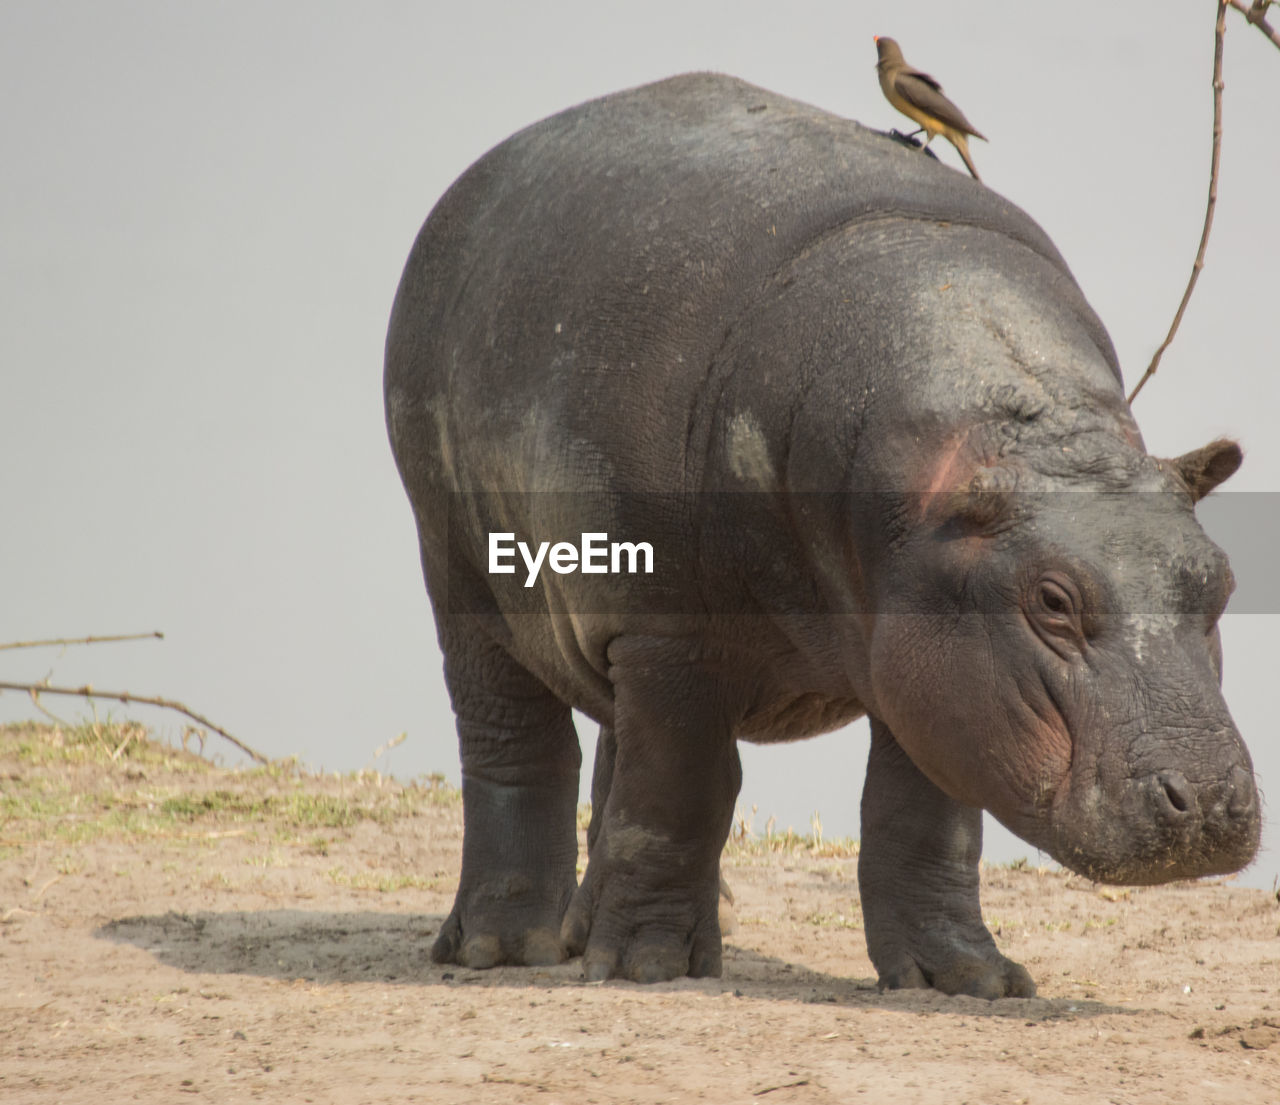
(394, 948)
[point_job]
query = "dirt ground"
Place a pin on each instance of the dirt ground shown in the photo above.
(168, 928)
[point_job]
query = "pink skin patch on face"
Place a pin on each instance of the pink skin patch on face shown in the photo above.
(951, 470)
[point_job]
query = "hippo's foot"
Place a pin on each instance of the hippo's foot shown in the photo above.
(918, 877)
(502, 921)
(520, 761)
(952, 959)
(627, 926)
(518, 875)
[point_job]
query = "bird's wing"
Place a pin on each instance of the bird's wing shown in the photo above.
(923, 92)
(907, 71)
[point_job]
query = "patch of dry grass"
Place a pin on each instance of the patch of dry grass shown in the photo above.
(73, 784)
(744, 842)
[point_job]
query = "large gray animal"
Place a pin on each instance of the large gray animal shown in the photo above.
(878, 444)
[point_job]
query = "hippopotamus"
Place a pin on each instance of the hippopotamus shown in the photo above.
(725, 418)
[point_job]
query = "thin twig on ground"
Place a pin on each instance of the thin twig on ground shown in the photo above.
(40, 893)
(35, 690)
(51, 715)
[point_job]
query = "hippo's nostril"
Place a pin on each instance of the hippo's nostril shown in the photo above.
(1177, 791)
(1241, 789)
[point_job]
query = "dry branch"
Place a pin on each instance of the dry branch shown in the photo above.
(35, 690)
(1219, 31)
(156, 634)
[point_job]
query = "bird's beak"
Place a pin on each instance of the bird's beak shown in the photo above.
(876, 38)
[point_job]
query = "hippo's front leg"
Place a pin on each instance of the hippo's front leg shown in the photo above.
(918, 877)
(647, 907)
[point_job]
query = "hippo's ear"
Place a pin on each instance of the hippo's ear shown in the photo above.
(1204, 468)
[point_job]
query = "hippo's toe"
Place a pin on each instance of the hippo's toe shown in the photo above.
(478, 945)
(960, 972)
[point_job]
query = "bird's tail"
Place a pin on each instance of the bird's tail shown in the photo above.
(962, 148)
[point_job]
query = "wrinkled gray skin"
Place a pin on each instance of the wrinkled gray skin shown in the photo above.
(698, 287)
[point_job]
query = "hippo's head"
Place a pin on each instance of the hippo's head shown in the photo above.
(1054, 657)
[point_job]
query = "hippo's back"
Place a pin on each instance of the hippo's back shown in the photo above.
(582, 275)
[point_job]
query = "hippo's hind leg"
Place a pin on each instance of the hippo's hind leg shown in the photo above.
(520, 760)
(918, 877)
(648, 905)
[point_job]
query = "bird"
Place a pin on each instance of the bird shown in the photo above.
(919, 97)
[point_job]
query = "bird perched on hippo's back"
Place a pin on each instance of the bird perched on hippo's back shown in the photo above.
(919, 97)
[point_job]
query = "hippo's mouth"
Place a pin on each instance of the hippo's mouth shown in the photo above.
(1156, 828)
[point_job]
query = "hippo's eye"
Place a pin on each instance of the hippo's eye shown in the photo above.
(1054, 599)
(1055, 609)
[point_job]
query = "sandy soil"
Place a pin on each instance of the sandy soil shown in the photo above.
(170, 929)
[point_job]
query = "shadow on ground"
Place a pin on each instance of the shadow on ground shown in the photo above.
(328, 947)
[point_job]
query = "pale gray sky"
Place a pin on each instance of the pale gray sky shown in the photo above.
(204, 212)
